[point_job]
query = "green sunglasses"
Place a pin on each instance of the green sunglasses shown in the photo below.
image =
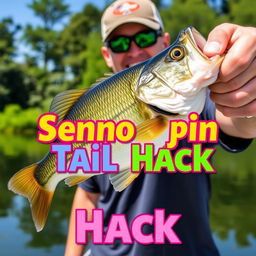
(142, 39)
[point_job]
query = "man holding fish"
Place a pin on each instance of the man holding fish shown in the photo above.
(168, 86)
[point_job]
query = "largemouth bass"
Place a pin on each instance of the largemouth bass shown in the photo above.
(170, 85)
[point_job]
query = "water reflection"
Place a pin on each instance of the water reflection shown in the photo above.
(233, 204)
(15, 153)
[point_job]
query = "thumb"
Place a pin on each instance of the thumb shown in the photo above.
(219, 39)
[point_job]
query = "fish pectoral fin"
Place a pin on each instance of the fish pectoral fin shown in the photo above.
(25, 184)
(151, 129)
(73, 180)
(122, 179)
(62, 102)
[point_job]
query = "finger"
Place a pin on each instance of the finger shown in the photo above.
(240, 43)
(218, 39)
(236, 82)
(246, 110)
(237, 98)
(238, 58)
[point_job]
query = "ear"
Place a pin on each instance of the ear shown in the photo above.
(107, 56)
(167, 39)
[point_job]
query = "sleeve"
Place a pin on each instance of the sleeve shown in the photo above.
(229, 143)
(90, 185)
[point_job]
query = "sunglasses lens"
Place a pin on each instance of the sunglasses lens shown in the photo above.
(145, 39)
(120, 44)
(142, 39)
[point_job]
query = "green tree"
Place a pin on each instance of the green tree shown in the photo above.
(95, 65)
(243, 12)
(184, 13)
(49, 11)
(74, 40)
(14, 84)
(43, 39)
(8, 31)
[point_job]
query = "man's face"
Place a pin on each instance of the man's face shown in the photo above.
(120, 61)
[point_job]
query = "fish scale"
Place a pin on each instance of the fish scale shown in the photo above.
(107, 97)
(115, 100)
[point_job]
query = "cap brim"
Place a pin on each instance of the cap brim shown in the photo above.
(148, 23)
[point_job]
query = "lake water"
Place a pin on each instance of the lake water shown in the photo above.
(233, 204)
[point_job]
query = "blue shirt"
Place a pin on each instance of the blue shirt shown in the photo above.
(186, 194)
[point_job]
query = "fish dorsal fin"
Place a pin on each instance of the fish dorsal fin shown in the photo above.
(62, 102)
(151, 129)
(100, 79)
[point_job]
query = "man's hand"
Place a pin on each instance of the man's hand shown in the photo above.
(235, 90)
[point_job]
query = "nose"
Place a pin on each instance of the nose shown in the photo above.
(134, 50)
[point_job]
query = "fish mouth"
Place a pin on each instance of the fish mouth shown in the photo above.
(196, 39)
(198, 42)
(161, 111)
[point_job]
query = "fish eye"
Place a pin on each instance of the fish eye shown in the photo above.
(177, 53)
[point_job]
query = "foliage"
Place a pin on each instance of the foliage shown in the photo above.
(43, 42)
(243, 12)
(184, 13)
(15, 120)
(74, 40)
(45, 65)
(49, 11)
(7, 33)
(44, 86)
(96, 66)
(43, 39)
(14, 85)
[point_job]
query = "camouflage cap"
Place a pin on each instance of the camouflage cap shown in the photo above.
(126, 11)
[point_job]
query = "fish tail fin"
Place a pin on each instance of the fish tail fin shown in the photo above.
(25, 184)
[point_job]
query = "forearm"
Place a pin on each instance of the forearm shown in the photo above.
(237, 127)
(82, 200)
